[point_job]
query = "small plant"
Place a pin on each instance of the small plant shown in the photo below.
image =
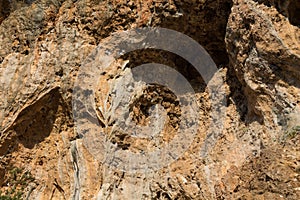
(17, 181)
(291, 133)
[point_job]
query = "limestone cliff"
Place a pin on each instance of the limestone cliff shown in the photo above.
(45, 44)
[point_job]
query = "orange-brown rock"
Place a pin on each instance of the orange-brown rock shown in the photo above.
(256, 47)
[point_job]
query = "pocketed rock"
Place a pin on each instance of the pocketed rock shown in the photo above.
(255, 155)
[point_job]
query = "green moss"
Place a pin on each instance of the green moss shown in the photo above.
(18, 180)
(291, 133)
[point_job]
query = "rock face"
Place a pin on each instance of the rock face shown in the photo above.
(45, 44)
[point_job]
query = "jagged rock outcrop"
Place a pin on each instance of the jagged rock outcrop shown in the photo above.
(256, 47)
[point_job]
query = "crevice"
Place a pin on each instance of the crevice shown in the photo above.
(74, 159)
(237, 96)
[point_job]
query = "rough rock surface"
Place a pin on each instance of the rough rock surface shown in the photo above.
(254, 43)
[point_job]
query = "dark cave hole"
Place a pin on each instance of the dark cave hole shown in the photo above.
(290, 9)
(205, 24)
(153, 95)
(143, 56)
(36, 122)
(8, 6)
(294, 12)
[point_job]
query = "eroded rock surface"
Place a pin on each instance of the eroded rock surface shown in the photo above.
(256, 47)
